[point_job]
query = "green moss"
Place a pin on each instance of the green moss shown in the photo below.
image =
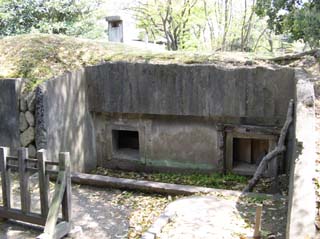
(214, 180)
(38, 57)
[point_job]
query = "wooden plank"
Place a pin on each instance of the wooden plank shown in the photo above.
(16, 214)
(14, 167)
(257, 226)
(229, 152)
(5, 178)
(24, 180)
(251, 129)
(273, 164)
(55, 204)
(29, 160)
(43, 182)
(254, 136)
(64, 159)
(242, 150)
(62, 229)
(11, 158)
(259, 149)
(51, 163)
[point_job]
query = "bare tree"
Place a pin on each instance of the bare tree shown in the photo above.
(246, 25)
(227, 21)
(167, 18)
(209, 22)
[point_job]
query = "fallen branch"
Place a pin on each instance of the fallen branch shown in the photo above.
(280, 148)
(314, 52)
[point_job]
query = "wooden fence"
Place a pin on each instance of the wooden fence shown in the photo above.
(54, 227)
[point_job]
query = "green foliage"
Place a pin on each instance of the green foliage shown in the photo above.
(306, 22)
(167, 19)
(38, 57)
(47, 16)
(299, 19)
(255, 198)
(214, 180)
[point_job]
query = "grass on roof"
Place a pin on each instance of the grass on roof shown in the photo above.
(37, 57)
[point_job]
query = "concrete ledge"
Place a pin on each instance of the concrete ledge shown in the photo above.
(302, 201)
(146, 186)
(153, 187)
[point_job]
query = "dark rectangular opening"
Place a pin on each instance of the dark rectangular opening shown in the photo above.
(115, 24)
(247, 153)
(128, 139)
(126, 143)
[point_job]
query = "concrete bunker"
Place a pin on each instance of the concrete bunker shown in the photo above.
(187, 117)
(172, 118)
(115, 28)
(164, 117)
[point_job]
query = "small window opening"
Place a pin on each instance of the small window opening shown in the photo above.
(248, 153)
(126, 143)
(115, 24)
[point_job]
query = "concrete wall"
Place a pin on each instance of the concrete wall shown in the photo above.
(176, 109)
(9, 113)
(239, 95)
(64, 122)
(302, 201)
(165, 143)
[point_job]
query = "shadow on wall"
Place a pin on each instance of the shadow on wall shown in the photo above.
(67, 120)
(9, 113)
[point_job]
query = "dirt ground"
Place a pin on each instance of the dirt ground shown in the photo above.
(223, 217)
(94, 210)
(111, 214)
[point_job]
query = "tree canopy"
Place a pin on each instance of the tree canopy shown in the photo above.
(45, 16)
(299, 19)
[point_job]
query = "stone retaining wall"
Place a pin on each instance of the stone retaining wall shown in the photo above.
(27, 122)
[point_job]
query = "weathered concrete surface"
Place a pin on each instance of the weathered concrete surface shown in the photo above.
(9, 112)
(215, 217)
(155, 187)
(302, 208)
(250, 95)
(66, 123)
(164, 143)
(176, 110)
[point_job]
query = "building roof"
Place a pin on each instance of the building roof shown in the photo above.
(113, 18)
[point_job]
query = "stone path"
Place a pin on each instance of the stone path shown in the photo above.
(93, 210)
(217, 217)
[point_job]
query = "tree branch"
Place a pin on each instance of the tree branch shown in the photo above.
(275, 152)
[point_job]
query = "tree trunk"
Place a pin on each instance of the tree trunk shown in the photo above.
(225, 31)
(275, 152)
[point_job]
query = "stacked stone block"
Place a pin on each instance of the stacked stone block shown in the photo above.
(27, 122)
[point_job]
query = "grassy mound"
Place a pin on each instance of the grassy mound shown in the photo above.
(38, 57)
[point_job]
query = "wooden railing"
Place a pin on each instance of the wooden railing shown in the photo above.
(54, 227)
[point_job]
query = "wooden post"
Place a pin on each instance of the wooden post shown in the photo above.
(43, 182)
(24, 180)
(55, 205)
(64, 165)
(229, 152)
(5, 178)
(257, 226)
